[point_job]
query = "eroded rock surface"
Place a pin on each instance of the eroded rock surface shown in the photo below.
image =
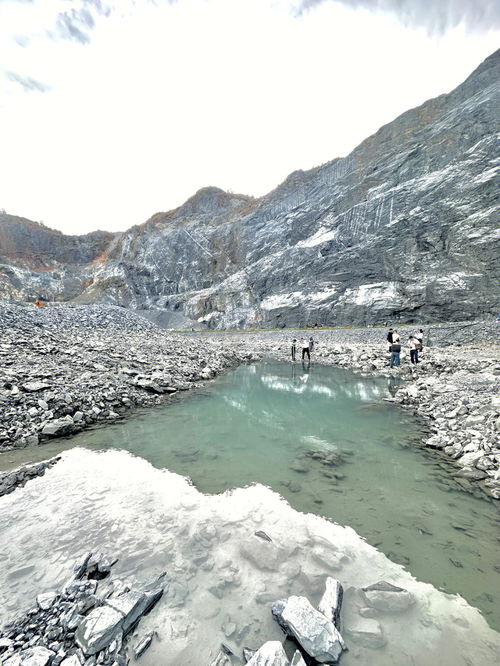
(405, 224)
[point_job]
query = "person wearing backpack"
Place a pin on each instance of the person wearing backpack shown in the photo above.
(419, 335)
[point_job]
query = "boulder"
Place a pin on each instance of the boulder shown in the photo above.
(99, 629)
(386, 597)
(317, 635)
(469, 459)
(58, 427)
(132, 605)
(331, 601)
(45, 601)
(271, 653)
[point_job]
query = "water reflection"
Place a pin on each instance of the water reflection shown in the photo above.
(326, 441)
(221, 578)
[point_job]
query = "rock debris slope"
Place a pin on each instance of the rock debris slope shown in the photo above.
(405, 227)
(65, 368)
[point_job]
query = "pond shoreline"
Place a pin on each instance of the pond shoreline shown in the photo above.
(74, 367)
(454, 388)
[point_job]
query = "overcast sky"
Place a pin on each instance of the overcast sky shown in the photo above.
(112, 110)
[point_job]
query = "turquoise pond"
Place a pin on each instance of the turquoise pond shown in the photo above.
(328, 443)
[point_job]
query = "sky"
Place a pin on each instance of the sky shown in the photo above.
(113, 110)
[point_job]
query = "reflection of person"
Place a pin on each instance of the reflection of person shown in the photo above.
(305, 348)
(305, 369)
(294, 348)
(392, 386)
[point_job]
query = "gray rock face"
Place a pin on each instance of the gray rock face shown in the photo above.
(316, 634)
(405, 224)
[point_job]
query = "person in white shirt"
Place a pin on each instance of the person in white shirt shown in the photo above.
(305, 348)
(413, 344)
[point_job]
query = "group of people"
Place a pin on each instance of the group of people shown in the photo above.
(415, 344)
(305, 345)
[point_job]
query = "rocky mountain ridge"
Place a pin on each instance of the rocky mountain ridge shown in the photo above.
(402, 229)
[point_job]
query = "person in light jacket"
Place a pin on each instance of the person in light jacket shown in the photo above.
(413, 344)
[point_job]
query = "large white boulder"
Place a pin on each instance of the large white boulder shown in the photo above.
(311, 629)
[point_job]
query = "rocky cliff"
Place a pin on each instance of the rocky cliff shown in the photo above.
(404, 228)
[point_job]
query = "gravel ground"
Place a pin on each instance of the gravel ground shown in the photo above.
(65, 368)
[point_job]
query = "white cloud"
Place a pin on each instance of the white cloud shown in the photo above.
(167, 98)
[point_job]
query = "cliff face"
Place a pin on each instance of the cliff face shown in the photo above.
(404, 228)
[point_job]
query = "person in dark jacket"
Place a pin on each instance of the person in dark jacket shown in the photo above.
(395, 350)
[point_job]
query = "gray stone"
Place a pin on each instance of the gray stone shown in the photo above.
(37, 656)
(331, 601)
(317, 635)
(143, 644)
(132, 605)
(98, 629)
(45, 601)
(248, 653)
(387, 597)
(271, 653)
(58, 427)
(366, 632)
(35, 386)
(221, 659)
(297, 659)
(71, 661)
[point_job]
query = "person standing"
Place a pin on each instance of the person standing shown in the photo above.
(395, 350)
(389, 336)
(420, 337)
(311, 343)
(413, 344)
(305, 348)
(294, 348)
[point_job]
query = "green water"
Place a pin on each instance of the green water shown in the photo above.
(325, 439)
